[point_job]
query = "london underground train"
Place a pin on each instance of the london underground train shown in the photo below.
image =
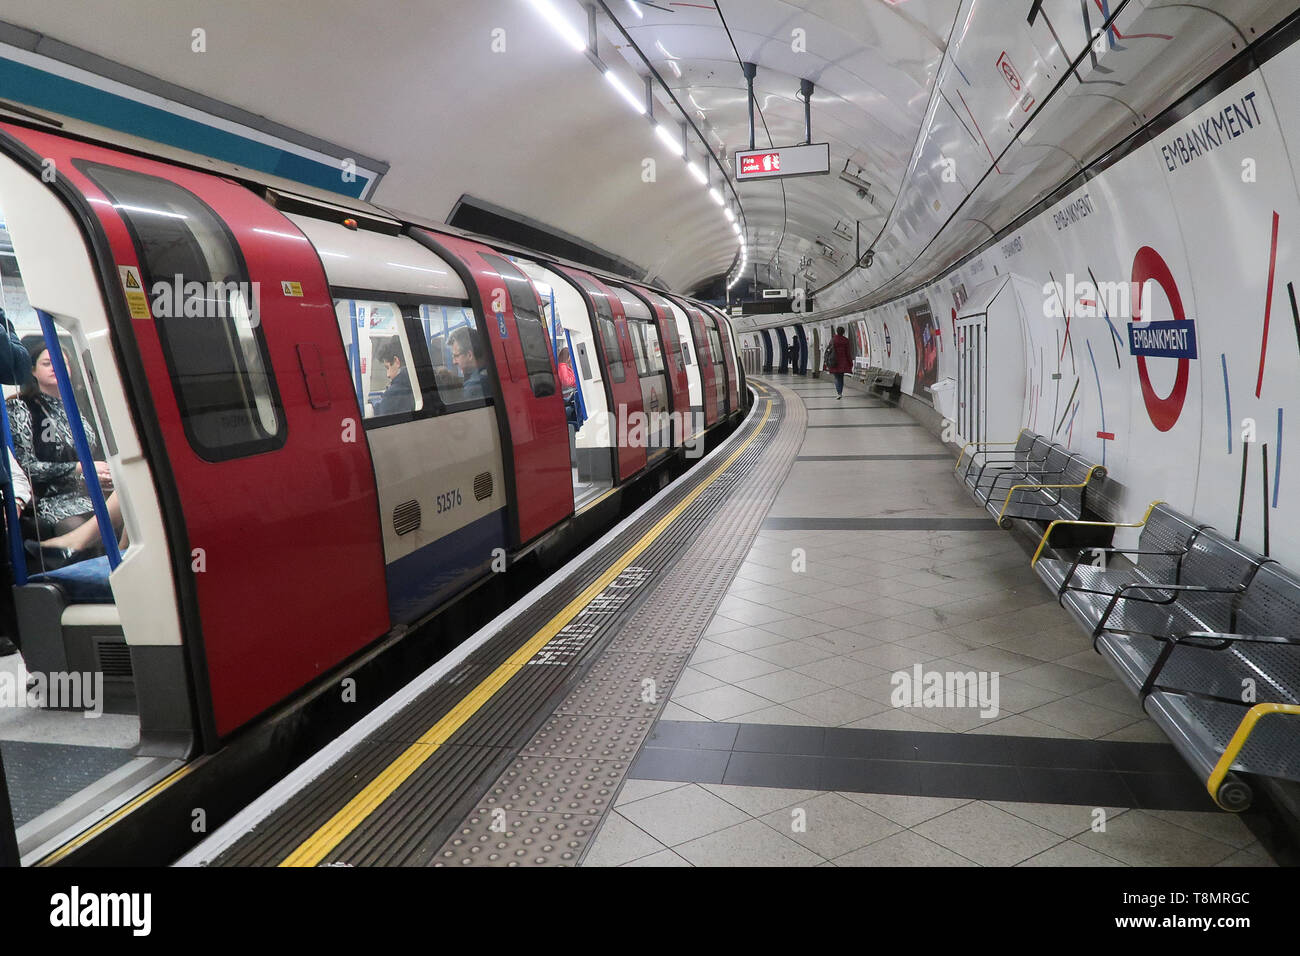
(322, 422)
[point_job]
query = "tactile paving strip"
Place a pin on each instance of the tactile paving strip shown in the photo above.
(549, 804)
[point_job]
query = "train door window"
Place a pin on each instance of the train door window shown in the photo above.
(461, 370)
(383, 359)
(606, 331)
(715, 345)
(697, 329)
(528, 320)
(635, 328)
(220, 371)
(686, 352)
(653, 350)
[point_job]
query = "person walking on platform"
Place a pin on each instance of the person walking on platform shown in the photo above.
(842, 361)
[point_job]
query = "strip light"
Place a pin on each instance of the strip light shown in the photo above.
(632, 99)
(562, 26)
(698, 173)
(669, 138)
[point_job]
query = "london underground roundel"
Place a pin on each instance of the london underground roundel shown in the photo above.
(1148, 265)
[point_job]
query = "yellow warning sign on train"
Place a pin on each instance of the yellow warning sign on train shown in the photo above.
(136, 301)
(292, 288)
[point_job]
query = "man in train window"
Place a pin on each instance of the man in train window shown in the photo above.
(467, 353)
(398, 396)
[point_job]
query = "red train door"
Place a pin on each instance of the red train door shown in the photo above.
(620, 367)
(729, 361)
(252, 400)
(710, 372)
(536, 446)
(678, 389)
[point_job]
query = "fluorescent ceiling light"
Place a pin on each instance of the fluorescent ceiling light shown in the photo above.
(717, 196)
(562, 26)
(731, 216)
(669, 137)
(632, 100)
(698, 173)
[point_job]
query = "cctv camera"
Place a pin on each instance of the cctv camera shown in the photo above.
(868, 257)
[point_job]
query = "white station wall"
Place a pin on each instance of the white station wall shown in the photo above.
(1209, 210)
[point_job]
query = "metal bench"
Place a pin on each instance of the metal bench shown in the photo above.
(1056, 493)
(1198, 592)
(882, 380)
(989, 466)
(1166, 535)
(1228, 698)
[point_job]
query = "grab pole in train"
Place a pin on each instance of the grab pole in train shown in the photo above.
(17, 559)
(356, 354)
(107, 536)
(555, 330)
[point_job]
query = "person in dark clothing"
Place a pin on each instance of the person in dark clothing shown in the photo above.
(842, 363)
(15, 369)
(467, 354)
(398, 396)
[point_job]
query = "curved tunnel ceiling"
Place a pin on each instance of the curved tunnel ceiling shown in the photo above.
(486, 99)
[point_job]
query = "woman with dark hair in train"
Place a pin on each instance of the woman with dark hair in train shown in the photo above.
(63, 514)
(842, 361)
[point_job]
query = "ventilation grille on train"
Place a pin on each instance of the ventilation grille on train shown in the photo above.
(114, 657)
(406, 517)
(483, 486)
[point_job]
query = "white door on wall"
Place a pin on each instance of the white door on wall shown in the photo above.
(972, 377)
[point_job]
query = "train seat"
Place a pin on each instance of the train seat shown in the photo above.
(85, 582)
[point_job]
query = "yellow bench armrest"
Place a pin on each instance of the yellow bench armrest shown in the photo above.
(1238, 741)
(1042, 543)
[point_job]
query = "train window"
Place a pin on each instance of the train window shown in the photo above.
(606, 331)
(379, 351)
(220, 371)
(461, 370)
(635, 333)
(715, 345)
(528, 320)
(653, 351)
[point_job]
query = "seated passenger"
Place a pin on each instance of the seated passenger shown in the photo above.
(568, 381)
(398, 396)
(63, 515)
(467, 353)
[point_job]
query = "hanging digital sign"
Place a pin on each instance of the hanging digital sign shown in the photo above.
(783, 162)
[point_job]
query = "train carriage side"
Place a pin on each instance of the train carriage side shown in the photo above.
(617, 358)
(735, 374)
(592, 440)
(665, 326)
(535, 439)
(236, 406)
(410, 333)
(690, 361)
(654, 428)
(711, 384)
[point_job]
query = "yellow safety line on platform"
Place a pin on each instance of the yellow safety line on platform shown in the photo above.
(86, 836)
(317, 846)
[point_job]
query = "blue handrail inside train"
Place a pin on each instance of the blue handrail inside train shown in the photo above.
(106, 533)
